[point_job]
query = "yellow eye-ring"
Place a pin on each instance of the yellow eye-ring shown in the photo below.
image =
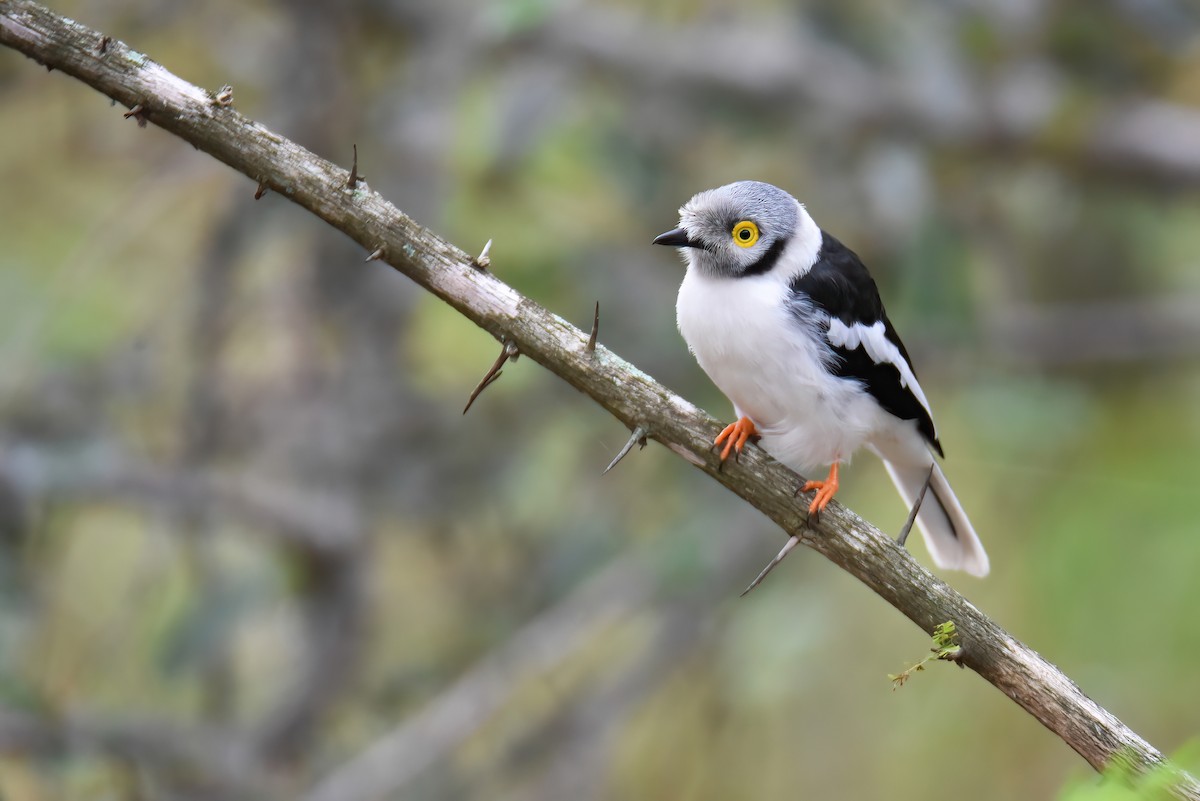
(745, 233)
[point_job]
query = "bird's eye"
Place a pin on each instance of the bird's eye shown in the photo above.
(745, 233)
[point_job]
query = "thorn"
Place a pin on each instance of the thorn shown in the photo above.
(483, 260)
(591, 343)
(224, 96)
(138, 112)
(509, 351)
(792, 542)
(814, 517)
(354, 178)
(262, 189)
(912, 515)
(376, 254)
(638, 436)
(103, 47)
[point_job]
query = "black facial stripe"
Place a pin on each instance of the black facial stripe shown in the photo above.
(767, 260)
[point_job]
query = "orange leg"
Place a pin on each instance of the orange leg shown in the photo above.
(735, 436)
(825, 490)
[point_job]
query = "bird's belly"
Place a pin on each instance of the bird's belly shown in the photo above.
(774, 372)
(822, 433)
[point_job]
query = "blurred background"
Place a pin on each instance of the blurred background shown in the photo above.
(252, 549)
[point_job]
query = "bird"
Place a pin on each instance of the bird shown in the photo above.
(788, 323)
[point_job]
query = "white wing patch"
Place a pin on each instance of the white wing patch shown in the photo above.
(873, 339)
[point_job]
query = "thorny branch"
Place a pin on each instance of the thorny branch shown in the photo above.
(156, 96)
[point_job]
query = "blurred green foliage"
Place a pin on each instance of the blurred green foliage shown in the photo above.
(195, 384)
(1121, 782)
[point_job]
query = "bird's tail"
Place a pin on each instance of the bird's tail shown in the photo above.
(949, 535)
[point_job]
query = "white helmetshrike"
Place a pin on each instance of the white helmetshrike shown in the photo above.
(788, 324)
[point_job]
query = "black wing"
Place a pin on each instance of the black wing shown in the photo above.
(838, 283)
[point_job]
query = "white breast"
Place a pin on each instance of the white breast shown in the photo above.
(756, 352)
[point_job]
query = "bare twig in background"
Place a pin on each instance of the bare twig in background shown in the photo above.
(396, 758)
(588, 730)
(1126, 331)
(198, 762)
(787, 65)
(631, 396)
(201, 423)
(622, 588)
(306, 520)
(790, 66)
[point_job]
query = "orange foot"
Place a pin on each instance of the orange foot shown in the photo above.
(735, 437)
(825, 490)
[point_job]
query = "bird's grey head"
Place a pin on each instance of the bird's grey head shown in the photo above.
(735, 230)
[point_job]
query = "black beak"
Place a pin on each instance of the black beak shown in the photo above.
(676, 239)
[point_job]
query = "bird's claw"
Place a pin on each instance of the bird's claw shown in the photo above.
(734, 437)
(825, 492)
(824, 495)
